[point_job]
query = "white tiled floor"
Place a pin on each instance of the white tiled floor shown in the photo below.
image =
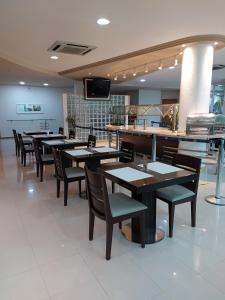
(45, 253)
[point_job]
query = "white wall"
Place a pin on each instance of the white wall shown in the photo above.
(170, 94)
(150, 96)
(50, 98)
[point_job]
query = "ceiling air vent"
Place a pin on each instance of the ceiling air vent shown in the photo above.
(218, 67)
(71, 48)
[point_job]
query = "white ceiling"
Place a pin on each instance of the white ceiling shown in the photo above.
(28, 28)
(11, 73)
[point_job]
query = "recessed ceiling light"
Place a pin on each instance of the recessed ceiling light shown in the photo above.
(54, 57)
(142, 80)
(216, 43)
(183, 46)
(22, 82)
(103, 21)
(45, 84)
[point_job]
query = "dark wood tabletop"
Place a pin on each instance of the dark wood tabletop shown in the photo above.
(37, 132)
(92, 155)
(64, 143)
(46, 137)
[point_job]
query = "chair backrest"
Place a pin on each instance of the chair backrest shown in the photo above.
(61, 130)
(97, 194)
(72, 134)
(189, 163)
(15, 137)
(128, 149)
(37, 150)
(59, 165)
(91, 141)
(20, 139)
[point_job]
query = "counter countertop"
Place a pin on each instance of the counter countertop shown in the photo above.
(164, 132)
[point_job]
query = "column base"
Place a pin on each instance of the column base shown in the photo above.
(127, 233)
(212, 199)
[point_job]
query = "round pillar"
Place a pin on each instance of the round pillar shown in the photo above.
(196, 77)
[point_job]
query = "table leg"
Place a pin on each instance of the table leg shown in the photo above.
(152, 234)
(153, 147)
(217, 199)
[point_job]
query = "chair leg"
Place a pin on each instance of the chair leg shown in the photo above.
(24, 159)
(65, 193)
(58, 187)
(21, 158)
(142, 229)
(41, 172)
(91, 225)
(109, 233)
(37, 169)
(113, 187)
(193, 213)
(79, 183)
(171, 219)
(120, 225)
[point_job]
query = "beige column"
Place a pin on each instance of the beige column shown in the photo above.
(196, 77)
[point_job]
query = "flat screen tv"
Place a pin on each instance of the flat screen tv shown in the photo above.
(96, 88)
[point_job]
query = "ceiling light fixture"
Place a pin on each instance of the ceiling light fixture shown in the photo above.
(124, 76)
(22, 82)
(142, 80)
(146, 69)
(54, 57)
(115, 78)
(176, 62)
(45, 84)
(160, 67)
(108, 75)
(172, 67)
(183, 46)
(216, 43)
(135, 73)
(103, 21)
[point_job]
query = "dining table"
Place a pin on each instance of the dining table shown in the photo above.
(143, 180)
(64, 143)
(37, 132)
(92, 156)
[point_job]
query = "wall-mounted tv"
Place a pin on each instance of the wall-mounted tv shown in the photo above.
(96, 88)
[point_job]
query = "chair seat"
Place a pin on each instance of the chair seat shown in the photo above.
(27, 141)
(47, 158)
(174, 193)
(121, 204)
(28, 148)
(110, 165)
(74, 172)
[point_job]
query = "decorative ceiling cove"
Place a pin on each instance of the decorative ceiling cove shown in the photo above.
(128, 66)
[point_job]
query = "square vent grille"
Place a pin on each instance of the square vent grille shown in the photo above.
(71, 48)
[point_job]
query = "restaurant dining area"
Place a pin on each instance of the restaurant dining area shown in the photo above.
(112, 153)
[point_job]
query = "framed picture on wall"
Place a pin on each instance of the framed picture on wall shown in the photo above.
(29, 109)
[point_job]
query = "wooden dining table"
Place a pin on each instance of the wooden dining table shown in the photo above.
(92, 156)
(144, 190)
(64, 143)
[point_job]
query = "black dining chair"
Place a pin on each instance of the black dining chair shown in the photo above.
(42, 159)
(113, 208)
(26, 141)
(183, 193)
(66, 174)
(91, 141)
(61, 130)
(72, 134)
(24, 149)
(129, 152)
